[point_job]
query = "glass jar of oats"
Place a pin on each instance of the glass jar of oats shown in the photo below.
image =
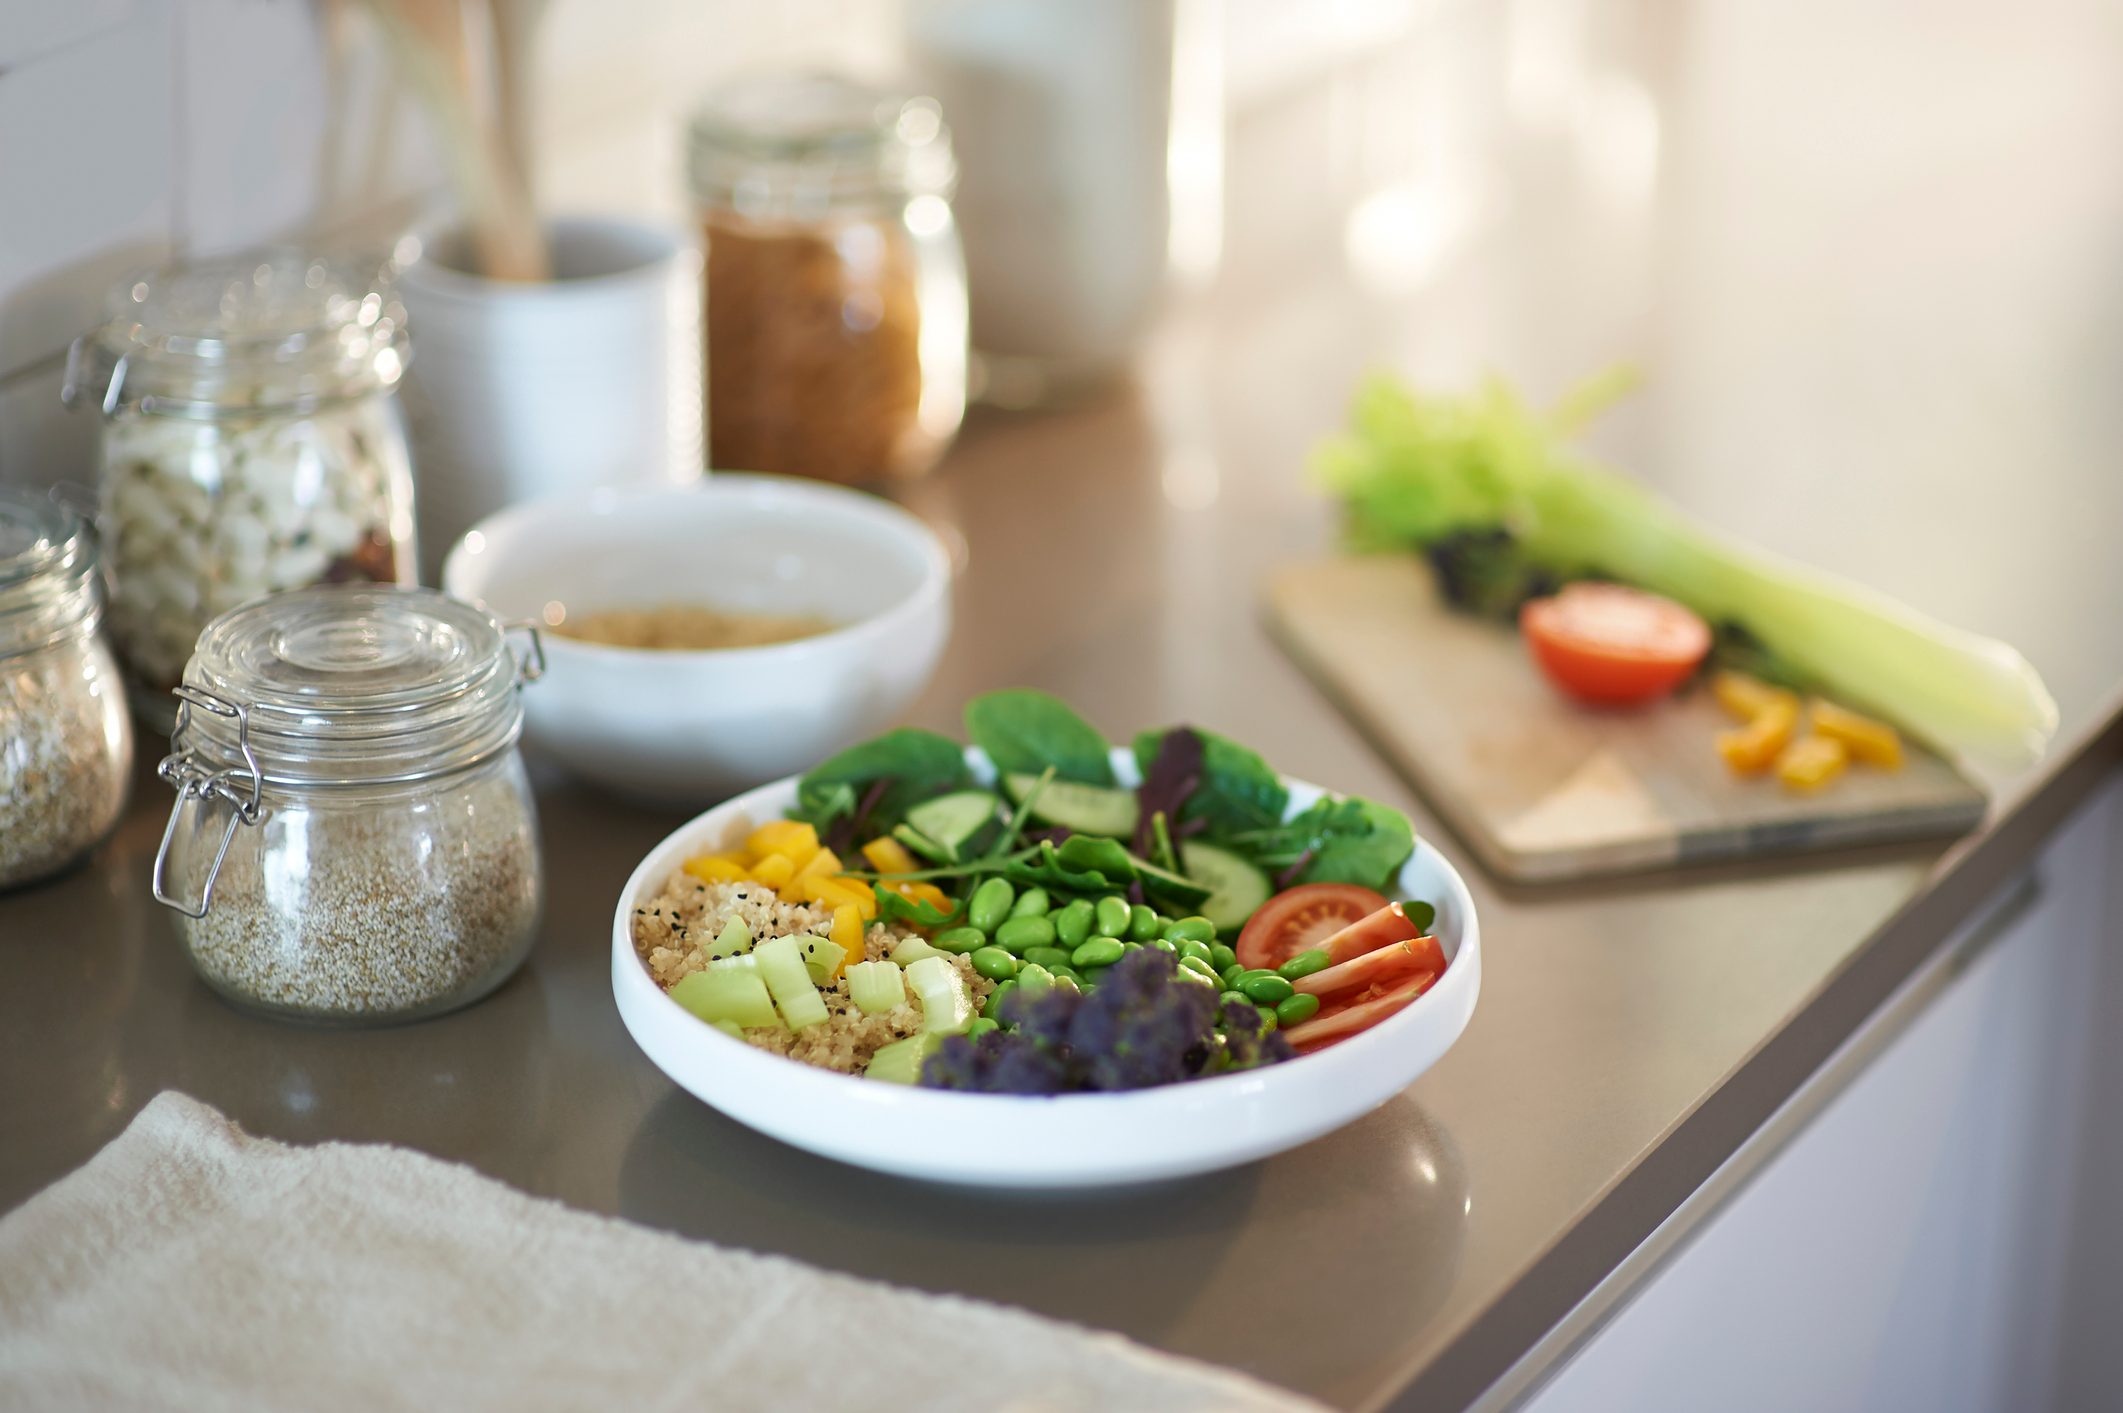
(66, 742)
(835, 285)
(354, 839)
(251, 443)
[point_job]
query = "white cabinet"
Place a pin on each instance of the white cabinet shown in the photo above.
(1944, 1234)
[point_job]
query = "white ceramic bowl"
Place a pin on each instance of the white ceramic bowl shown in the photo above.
(1067, 1141)
(689, 727)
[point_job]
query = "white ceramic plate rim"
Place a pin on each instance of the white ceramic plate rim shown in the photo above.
(1051, 1141)
(758, 488)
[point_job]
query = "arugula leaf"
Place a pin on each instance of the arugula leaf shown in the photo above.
(894, 907)
(1236, 792)
(910, 765)
(1336, 840)
(1024, 732)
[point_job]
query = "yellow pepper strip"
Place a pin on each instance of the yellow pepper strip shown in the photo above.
(842, 892)
(774, 870)
(717, 868)
(1754, 747)
(1810, 763)
(1873, 742)
(848, 932)
(888, 855)
(1745, 698)
(823, 863)
(784, 836)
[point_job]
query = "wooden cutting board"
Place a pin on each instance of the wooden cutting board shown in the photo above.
(1545, 790)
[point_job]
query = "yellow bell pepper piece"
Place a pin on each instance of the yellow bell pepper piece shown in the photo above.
(823, 863)
(1810, 763)
(774, 870)
(865, 896)
(1745, 698)
(1754, 747)
(717, 868)
(888, 855)
(1873, 742)
(848, 932)
(842, 892)
(929, 893)
(789, 838)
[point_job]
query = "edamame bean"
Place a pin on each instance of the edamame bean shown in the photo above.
(994, 963)
(1221, 956)
(1020, 933)
(993, 1009)
(961, 940)
(1062, 971)
(1163, 944)
(1072, 925)
(1200, 968)
(1098, 952)
(1111, 915)
(1164, 925)
(1304, 964)
(1228, 997)
(1188, 947)
(1030, 903)
(1068, 983)
(1196, 929)
(991, 904)
(1267, 1015)
(1265, 987)
(979, 1026)
(1142, 923)
(1048, 957)
(1229, 975)
(1035, 979)
(1297, 1009)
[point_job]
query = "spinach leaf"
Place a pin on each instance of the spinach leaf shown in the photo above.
(890, 773)
(896, 907)
(1085, 852)
(1024, 732)
(1236, 792)
(1336, 840)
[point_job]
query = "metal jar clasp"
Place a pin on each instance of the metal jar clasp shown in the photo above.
(198, 785)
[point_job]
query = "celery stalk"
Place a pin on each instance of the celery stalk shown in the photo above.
(781, 967)
(901, 1061)
(876, 987)
(1417, 471)
(945, 1006)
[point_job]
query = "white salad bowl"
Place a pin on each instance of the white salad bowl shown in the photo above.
(677, 727)
(1064, 1141)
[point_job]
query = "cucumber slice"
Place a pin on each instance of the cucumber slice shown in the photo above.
(945, 1007)
(738, 997)
(921, 845)
(901, 1061)
(1183, 893)
(1086, 809)
(876, 987)
(952, 821)
(781, 967)
(1236, 887)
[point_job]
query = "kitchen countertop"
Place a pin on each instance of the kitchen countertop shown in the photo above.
(1874, 287)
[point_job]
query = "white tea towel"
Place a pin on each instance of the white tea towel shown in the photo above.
(191, 1267)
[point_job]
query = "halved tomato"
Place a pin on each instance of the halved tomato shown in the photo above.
(1381, 967)
(1300, 919)
(1610, 645)
(1344, 1021)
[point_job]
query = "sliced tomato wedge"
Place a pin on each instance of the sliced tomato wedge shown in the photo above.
(1344, 1021)
(1302, 918)
(1610, 645)
(1382, 928)
(1380, 966)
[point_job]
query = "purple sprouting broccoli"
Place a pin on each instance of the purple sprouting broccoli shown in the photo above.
(1247, 1041)
(1139, 1027)
(1000, 1062)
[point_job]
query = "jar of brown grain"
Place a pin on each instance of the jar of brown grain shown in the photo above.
(835, 284)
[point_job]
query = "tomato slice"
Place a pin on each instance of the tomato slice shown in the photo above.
(1300, 919)
(1344, 1021)
(1386, 964)
(1383, 928)
(1610, 645)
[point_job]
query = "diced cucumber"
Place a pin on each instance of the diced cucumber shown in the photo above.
(901, 1061)
(738, 997)
(876, 987)
(1236, 887)
(952, 821)
(822, 957)
(1086, 809)
(734, 940)
(909, 950)
(945, 1007)
(781, 967)
(921, 845)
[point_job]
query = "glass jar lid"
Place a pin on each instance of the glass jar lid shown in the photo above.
(795, 145)
(48, 584)
(353, 685)
(263, 329)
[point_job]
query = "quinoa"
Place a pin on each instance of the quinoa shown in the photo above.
(384, 912)
(673, 930)
(66, 757)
